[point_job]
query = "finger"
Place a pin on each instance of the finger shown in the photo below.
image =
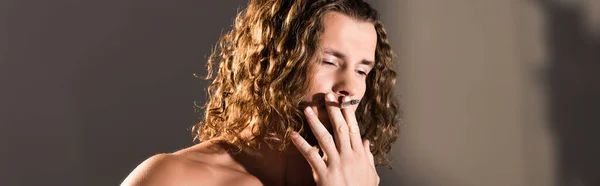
(354, 130)
(320, 132)
(310, 153)
(367, 147)
(340, 128)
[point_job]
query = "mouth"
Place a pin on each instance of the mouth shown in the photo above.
(321, 104)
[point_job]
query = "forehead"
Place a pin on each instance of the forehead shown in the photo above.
(353, 37)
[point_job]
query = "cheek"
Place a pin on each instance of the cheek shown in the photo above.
(322, 83)
(321, 87)
(362, 90)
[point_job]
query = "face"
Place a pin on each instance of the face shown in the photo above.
(346, 57)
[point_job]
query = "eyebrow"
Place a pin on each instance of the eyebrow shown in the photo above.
(341, 55)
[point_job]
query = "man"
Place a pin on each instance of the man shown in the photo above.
(292, 74)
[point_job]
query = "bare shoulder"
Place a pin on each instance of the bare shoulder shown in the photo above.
(162, 169)
(202, 164)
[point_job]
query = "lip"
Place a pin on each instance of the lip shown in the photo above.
(321, 104)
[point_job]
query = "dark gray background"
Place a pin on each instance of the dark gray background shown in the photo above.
(92, 88)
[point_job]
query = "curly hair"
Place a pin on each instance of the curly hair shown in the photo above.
(264, 70)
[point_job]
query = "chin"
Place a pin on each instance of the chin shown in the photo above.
(324, 117)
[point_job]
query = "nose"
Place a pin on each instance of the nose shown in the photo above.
(346, 84)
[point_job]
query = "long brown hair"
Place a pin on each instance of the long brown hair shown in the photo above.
(264, 70)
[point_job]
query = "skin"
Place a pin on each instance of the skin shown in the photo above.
(347, 47)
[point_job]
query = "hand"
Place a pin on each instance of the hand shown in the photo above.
(347, 160)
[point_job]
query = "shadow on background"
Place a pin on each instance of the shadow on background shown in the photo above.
(574, 92)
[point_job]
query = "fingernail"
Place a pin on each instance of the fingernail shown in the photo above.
(309, 110)
(346, 99)
(330, 97)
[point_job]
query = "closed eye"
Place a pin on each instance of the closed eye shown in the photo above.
(329, 63)
(362, 73)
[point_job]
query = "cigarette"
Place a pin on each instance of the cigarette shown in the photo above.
(351, 102)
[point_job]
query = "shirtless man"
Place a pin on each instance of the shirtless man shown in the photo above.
(303, 96)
